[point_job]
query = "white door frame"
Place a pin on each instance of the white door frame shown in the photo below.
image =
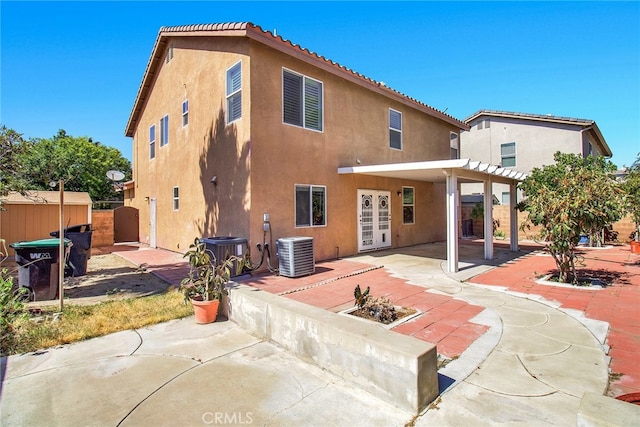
(152, 222)
(374, 224)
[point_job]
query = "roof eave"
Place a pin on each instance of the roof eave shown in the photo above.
(256, 33)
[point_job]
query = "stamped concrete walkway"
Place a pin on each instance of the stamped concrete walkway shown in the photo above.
(514, 358)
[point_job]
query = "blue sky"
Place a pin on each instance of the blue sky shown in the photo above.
(77, 65)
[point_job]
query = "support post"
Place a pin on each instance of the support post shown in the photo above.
(488, 219)
(452, 221)
(513, 217)
(61, 258)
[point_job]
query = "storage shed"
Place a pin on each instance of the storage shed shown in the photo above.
(35, 216)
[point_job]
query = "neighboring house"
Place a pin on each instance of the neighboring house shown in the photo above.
(232, 124)
(524, 141)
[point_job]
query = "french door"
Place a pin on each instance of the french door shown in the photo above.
(374, 219)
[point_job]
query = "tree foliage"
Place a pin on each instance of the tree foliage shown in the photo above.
(631, 187)
(11, 146)
(79, 161)
(573, 197)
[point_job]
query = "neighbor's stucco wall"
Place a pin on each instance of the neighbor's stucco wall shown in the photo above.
(536, 143)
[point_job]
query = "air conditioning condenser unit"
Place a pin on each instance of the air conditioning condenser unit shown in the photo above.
(296, 257)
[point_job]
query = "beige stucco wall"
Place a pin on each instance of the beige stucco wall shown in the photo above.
(195, 153)
(258, 159)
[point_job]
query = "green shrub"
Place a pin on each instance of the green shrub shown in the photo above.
(12, 308)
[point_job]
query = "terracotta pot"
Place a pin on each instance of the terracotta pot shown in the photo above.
(631, 398)
(635, 247)
(205, 311)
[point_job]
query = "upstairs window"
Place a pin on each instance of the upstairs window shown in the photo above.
(395, 129)
(152, 142)
(164, 131)
(301, 101)
(185, 112)
(408, 205)
(169, 55)
(234, 92)
(176, 198)
(508, 155)
(311, 202)
(454, 144)
(484, 123)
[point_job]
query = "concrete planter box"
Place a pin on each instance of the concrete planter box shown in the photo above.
(394, 367)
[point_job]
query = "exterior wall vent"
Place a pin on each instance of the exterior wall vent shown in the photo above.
(296, 257)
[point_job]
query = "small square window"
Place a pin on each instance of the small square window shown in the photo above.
(506, 197)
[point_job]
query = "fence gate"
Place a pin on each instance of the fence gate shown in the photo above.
(125, 224)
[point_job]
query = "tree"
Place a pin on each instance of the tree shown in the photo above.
(631, 187)
(11, 147)
(79, 161)
(571, 198)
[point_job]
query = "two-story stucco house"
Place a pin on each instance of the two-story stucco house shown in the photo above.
(523, 141)
(232, 122)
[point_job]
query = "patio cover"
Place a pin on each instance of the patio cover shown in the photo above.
(452, 172)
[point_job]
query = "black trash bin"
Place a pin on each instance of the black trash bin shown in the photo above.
(80, 235)
(38, 266)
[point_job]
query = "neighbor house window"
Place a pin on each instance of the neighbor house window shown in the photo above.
(408, 205)
(508, 154)
(164, 130)
(301, 101)
(395, 129)
(484, 124)
(506, 197)
(169, 56)
(176, 198)
(454, 144)
(234, 92)
(152, 142)
(185, 112)
(311, 205)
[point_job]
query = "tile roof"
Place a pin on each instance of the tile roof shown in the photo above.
(543, 117)
(585, 124)
(254, 32)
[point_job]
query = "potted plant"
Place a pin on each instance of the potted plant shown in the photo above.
(205, 286)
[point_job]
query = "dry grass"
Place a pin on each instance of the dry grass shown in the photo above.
(46, 329)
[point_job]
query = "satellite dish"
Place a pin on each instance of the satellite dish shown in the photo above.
(114, 175)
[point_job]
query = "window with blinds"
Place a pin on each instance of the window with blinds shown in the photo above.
(301, 101)
(395, 129)
(234, 92)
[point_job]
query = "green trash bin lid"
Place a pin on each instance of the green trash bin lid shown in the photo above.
(42, 243)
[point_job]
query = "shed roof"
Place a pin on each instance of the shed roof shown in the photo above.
(51, 197)
(254, 32)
